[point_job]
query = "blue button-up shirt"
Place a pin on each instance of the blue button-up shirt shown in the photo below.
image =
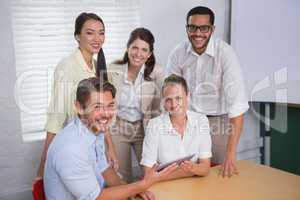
(75, 161)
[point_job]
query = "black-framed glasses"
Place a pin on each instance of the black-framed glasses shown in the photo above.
(191, 28)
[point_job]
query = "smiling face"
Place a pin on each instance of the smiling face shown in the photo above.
(91, 37)
(138, 53)
(198, 39)
(175, 99)
(99, 111)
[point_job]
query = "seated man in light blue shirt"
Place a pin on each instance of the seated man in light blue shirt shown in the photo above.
(76, 166)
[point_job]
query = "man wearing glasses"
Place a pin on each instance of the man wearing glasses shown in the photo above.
(214, 77)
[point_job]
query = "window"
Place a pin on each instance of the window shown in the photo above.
(43, 35)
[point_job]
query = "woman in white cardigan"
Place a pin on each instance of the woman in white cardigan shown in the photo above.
(138, 81)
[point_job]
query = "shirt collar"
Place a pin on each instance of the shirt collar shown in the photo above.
(210, 50)
(84, 131)
(190, 121)
(82, 62)
(140, 74)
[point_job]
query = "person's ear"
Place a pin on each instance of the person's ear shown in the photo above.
(78, 109)
(150, 54)
(213, 29)
(77, 38)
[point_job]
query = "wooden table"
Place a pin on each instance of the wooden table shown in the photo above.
(255, 182)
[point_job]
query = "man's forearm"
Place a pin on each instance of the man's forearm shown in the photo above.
(235, 134)
(122, 191)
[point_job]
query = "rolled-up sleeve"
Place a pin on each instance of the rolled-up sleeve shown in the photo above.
(150, 145)
(60, 94)
(234, 87)
(77, 174)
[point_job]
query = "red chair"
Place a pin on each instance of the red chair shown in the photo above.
(213, 164)
(38, 190)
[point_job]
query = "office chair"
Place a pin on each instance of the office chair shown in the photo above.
(38, 190)
(213, 164)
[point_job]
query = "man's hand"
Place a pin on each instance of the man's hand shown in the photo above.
(228, 168)
(152, 176)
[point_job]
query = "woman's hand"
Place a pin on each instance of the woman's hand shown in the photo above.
(112, 159)
(111, 153)
(152, 175)
(188, 166)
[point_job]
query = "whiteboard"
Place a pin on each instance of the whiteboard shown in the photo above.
(266, 37)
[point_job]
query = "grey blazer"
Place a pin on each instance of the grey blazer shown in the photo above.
(151, 90)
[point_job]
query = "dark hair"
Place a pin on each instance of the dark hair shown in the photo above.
(201, 10)
(174, 79)
(89, 85)
(101, 62)
(82, 18)
(101, 70)
(145, 35)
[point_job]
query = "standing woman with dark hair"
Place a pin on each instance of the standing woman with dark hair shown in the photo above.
(138, 81)
(90, 34)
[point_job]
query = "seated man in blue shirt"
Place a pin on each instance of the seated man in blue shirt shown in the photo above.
(76, 166)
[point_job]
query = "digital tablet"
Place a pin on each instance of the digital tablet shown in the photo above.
(178, 161)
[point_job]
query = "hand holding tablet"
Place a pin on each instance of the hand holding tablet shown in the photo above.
(178, 162)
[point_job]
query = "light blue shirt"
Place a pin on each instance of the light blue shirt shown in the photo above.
(75, 161)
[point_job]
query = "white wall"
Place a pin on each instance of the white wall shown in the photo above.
(18, 160)
(265, 35)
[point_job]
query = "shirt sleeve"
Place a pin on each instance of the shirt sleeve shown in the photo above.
(150, 145)
(102, 163)
(57, 111)
(156, 102)
(205, 145)
(77, 174)
(233, 84)
(173, 66)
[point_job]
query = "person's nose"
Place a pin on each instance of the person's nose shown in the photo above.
(173, 103)
(104, 113)
(198, 32)
(139, 53)
(98, 38)
(109, 112)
